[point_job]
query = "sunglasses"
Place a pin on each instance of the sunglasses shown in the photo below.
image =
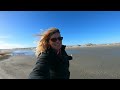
(55, 39)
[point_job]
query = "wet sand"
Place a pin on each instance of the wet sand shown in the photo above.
(90, 63)
(96, 63)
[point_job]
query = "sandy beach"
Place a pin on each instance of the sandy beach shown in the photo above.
(101, 62)
(96, 63)
(16, 67)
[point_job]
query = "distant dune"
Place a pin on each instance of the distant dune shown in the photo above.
(92, 45)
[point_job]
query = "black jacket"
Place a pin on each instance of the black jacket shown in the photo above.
(51, 66)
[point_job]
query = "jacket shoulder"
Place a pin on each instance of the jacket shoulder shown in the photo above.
(43, 56)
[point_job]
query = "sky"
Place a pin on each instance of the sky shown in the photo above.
(17, 28)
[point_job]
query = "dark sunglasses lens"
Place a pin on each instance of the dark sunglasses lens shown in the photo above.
(60, 38)
(55, 39)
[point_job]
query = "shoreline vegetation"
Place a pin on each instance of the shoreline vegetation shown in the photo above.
(5, 54)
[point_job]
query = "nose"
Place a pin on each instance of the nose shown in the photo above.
(58, 40)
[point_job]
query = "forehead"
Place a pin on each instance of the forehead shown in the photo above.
(55, 35)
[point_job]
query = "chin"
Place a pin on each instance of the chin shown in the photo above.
(57, 48)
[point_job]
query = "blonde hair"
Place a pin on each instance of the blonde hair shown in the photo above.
(43, 44)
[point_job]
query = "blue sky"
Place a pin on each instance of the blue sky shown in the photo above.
(77, 27)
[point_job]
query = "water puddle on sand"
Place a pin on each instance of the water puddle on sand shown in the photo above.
(22, 52)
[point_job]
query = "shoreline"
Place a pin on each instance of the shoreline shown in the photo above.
(67, 46)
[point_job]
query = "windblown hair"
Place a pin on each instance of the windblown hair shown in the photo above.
(43, 44)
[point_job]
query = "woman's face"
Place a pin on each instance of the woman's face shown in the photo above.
(56, 41)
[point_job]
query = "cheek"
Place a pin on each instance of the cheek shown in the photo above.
(51, 44)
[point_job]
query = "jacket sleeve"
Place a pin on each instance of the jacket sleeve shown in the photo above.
(68, 57)
(41, 68)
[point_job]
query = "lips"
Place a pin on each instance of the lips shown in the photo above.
(57, 45)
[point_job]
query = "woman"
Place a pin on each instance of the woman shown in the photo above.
(52, 59)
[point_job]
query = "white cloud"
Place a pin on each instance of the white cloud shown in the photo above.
(1, 42)
(41, 31)
(4, 45)
(35, 42)
(4, 37)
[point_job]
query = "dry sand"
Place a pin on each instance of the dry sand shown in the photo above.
(89, 63)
